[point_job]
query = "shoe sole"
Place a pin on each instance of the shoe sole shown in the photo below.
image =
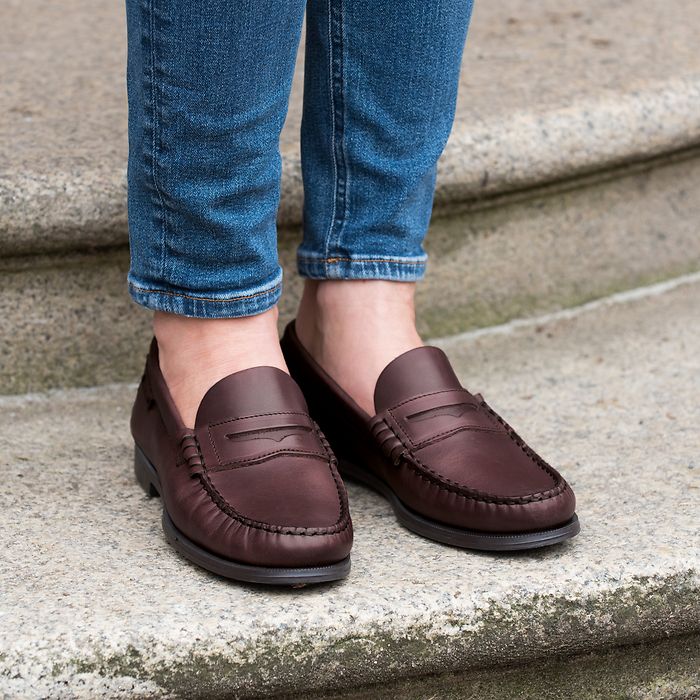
(455, 536)
(147, 477)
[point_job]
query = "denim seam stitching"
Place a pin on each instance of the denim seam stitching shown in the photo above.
(208, 299)
(337, 66)
(155, 134)
(344, 110)
(417, 262)
(335, 164)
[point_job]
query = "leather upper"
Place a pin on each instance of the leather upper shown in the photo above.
(442, 450)
(254, 480)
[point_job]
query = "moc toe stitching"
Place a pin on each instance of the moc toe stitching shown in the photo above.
(341, 524)
(462, 490)
(426, 473)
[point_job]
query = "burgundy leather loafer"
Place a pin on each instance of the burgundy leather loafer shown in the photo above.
(252, 492)
(453, 470)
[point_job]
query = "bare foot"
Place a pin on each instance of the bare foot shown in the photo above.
(195, 353)
(354, 328)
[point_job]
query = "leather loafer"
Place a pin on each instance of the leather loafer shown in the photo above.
(252, 492)
(453, 470)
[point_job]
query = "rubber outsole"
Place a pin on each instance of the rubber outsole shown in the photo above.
(460, 537)
(147, 476)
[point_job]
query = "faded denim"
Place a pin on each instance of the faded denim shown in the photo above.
(208, 84)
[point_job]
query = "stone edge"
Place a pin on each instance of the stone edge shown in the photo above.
(483, 159)
(517, 631)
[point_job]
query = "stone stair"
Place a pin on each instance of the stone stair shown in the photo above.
(95, 603)
(564, 283)
(572, 173)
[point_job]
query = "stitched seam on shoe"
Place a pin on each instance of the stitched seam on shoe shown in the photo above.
(428, 393)
(438, 437)
(261, 456)
(447, 485)
(255, 415)
(434, 438)
(341, 524)
(339, 488)
(213, 446)
(428, 474)
(182, 460)
(262, 415)
(332, 465)
(259, 459)
(401, 430)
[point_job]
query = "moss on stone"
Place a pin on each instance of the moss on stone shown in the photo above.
(665, 670)
(437, 321)
(520, 632)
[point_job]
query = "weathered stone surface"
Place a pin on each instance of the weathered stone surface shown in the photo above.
(93, 600)
(559, 247)
(547, 92)
(67, 320)
(667, 670)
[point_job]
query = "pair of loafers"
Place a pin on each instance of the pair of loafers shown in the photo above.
(255, 492)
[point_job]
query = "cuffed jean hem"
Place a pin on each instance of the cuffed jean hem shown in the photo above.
(247, 302)
(361, 267)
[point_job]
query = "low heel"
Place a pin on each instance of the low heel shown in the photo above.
(145, 474)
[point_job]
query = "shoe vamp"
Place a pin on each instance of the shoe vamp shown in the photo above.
(489, 462)
(288, 490)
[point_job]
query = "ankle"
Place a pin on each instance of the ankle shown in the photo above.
(200, 336)
(357, 307)
(195, 353)
(354, 328)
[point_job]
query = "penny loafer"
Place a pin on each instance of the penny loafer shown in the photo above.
(252, 492)
(453, 470)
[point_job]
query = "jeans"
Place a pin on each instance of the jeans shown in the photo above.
(208, 85)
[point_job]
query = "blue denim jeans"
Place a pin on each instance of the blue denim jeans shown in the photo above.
(208, 84)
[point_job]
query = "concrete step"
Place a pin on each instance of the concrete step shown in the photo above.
(95, 603)
(570, 175)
